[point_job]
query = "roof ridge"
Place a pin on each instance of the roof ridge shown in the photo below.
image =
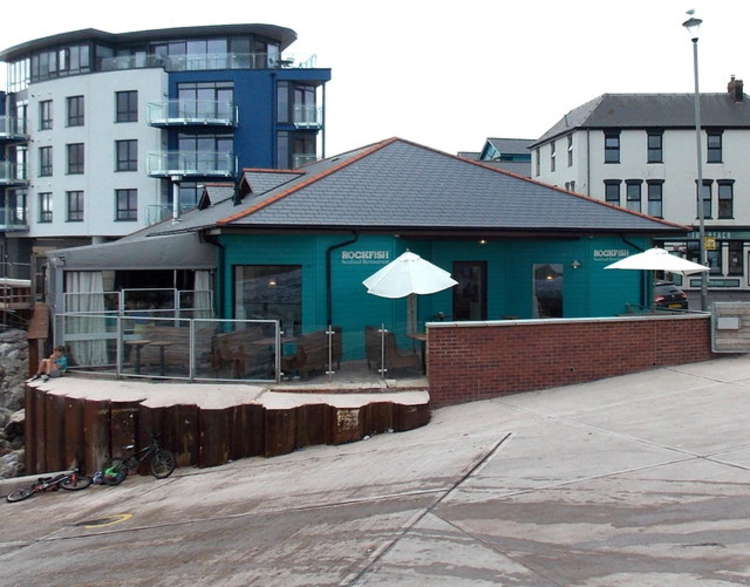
(270, 170)
(312, 179)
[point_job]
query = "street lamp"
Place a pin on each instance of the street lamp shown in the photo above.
(692, 25)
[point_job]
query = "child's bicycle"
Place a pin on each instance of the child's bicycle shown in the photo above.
(72, 481)
(162, 463)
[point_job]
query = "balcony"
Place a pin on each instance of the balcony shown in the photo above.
(12, 129)
(308, 116)
(13, 218)
(191, 164)
(207, 62)
(156, 213)
(10, 174)
(300, 159)
(192, 113)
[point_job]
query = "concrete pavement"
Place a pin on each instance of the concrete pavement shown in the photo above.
(637, 480)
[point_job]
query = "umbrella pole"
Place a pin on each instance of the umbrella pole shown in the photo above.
(411, 314)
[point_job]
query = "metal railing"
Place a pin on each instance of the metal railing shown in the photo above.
(15, 270)
(12, 128)
(156, 213)
(12, 174)
(192, 112)
(145, 302)
(300, 159)
(308, 116)
(207, 62)
(191, 163)
(13, 218)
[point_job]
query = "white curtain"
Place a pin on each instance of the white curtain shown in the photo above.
(202, 296)
(88, 346)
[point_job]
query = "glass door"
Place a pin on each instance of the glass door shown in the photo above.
(548, 290)
(470, 295)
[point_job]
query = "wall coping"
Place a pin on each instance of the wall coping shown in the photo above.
(548, 321)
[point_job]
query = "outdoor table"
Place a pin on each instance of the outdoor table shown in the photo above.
(137, 345)
(162, 344)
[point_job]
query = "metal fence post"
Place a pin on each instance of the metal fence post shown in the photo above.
(383, 370)
(277, 358)
(191, 348)
(330, 334)
(120, 346)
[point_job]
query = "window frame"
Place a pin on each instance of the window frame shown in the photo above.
(706, 200)
(45, 207)
(612, 134)
(80, 167)
(130, 112)
(724, 183)
(552, 156)
(720, 149)
(607, 198)
(75, 116)
(45, 115)
(127, 163)
(652, 183)
(570, 150)
(654, 154)
(74, 213)
(45, 161)
(741, 256)
(634, 183)
(126, 213)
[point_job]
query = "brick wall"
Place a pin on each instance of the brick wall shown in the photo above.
(493, 359)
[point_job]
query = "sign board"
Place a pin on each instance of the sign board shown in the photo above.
(610, 255)
(710, 243)
(367, 257)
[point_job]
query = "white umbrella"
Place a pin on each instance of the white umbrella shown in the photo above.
(659, 260)
(408, 275)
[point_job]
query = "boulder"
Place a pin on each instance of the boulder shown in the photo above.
(14, 427)
(11, 464)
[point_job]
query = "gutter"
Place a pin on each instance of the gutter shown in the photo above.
(329, 250)
(213, 240)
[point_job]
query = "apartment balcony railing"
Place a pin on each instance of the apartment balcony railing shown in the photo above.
(308, 116)
(10, 174)
(191, 164)
(156, 213)
(206, 62)
(13, 218)
(12, 129)
(300, 159)
(192, 113)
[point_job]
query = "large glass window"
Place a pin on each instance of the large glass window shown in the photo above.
(45, 161)
(75, 158)
(75, 110)
(633, 195)
(735, 261)
(126, 204)
(655, 194)
(654, 139)
(548, 290)
(126, 158)
(75, 205)
(206, 152)
(126, 106)
(45, 115)
(726, 198)
(470, 294)
(705, 194)
(612, 191)
(612, 146)
(17, 206)
(45, 207)
(206, 100)
(714, 146)
(269, 292)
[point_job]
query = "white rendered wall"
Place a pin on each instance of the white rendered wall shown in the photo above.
(99, 133)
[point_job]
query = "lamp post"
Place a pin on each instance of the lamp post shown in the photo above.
(692, 25)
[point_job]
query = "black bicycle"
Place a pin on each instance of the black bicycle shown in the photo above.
(162, 463)
(72, 481)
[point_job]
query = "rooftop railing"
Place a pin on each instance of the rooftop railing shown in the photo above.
(192, 113)
(300, 159)
(207, 62)
(191, 164)
(308, 116)
(156, 213)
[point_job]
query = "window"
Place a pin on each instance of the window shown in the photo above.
(75, 206)
(75, 158)
(706, 194)
(45, 115)
(45, 161)
(206, 100)
(612, 146)
(726, 198)
(45, 207)
(270, 292)
(75, 110)
(735, 261)
(572, 186)
(16, 206)
(714, 146)
(570, 150)
(633, 194)
(126, 106)
(612, 191)
(127, 204)
(126, 155)
(537, 162)
(654, 144)
(655, 204)
(553, 155)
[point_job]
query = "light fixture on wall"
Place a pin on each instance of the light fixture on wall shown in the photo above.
(482, 242)
(271, 283)
(575, 264)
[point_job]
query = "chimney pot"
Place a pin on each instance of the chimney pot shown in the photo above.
(735, 89)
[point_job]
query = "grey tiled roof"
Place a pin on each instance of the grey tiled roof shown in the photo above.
(471, 155)
(262, 181)
(652, 110)
(517, 167)
(510, 145)
(398, 184)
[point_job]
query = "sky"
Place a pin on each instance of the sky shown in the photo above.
(450, 74)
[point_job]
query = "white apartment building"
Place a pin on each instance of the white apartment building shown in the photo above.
(638, 151)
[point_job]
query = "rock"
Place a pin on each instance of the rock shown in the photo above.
(15, 426)
(4, 417)
(11, 465)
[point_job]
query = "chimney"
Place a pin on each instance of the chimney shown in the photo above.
(734, 87)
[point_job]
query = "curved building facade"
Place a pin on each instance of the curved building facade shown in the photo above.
(102, 134)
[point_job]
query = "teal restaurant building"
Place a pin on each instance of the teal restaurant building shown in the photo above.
(295, 245)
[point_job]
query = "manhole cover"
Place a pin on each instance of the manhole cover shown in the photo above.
(101, 522)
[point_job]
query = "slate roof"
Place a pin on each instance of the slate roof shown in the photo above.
(471, 155)
(652, 110)
(262, 180)
(517, 167)
(510, 145)
(397, 184)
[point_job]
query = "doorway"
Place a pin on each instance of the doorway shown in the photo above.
(548, 290)
(470, 295)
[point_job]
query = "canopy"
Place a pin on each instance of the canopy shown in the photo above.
(659, 260)
(408, 274)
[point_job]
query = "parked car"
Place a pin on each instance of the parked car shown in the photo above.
(668, 295)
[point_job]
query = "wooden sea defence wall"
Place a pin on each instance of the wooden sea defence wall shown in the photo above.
(63, 431)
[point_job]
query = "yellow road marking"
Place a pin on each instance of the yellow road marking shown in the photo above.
(115, 519)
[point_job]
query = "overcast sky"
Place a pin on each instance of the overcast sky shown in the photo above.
(449, 74)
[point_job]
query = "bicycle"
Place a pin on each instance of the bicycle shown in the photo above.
(72, 481)
(162, 463)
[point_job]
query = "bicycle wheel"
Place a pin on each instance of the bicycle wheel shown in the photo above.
(76, 482)
(19, 494)
(115, 472)
(162, 464)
